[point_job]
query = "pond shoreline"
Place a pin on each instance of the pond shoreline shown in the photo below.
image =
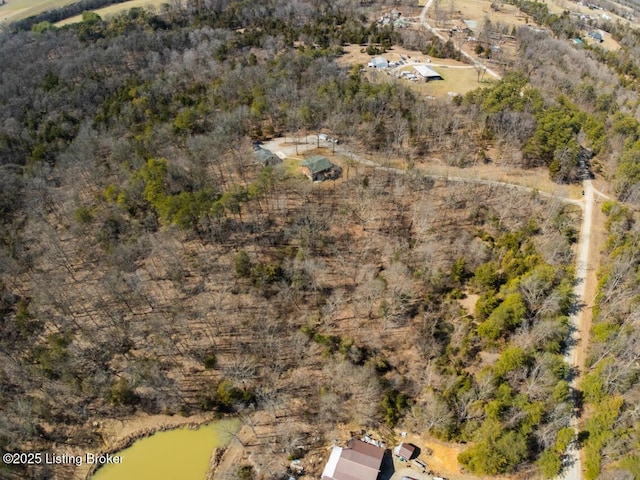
(141, 427)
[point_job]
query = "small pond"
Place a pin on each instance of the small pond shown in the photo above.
(182, 454)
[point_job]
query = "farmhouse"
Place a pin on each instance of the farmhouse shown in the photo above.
(320, 168)
(266, 157)
(359, 461)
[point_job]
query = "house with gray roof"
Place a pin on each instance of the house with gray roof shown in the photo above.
(597, 36)
(266, 157)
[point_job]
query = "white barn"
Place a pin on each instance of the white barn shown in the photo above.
(427, 73)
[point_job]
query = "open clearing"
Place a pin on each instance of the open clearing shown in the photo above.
(113, 10)
(458, 77)
(478, 10)
(509, 15)
(558, 6)
(455, 81)
(15, 10)
(18, 9)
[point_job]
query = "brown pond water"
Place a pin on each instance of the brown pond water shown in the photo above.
(182, 453)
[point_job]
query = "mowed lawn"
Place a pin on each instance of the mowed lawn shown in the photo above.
(18, 9)
(455, 80)
(458, 80)
(113, 10)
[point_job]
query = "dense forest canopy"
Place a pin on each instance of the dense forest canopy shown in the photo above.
(147, 263)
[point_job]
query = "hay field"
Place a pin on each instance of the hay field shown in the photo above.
(15, 10)
(113, 10)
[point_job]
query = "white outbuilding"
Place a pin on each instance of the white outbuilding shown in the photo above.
(427, 73)
(379, 62)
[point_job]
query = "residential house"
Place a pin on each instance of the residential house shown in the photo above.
(320, 168)
(266, 157)
(597, 36)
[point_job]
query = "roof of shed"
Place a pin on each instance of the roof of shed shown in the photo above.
(406, 450)
(426, 71)
(266, 156)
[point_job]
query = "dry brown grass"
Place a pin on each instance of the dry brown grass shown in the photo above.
(113, 10)
(15, 10)
(455, 81)
(478, 10)
(458, 77)
(536, 178)
(509, 15)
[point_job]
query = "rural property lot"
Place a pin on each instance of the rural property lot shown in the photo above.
(15, 10)
(18, 9)
(478, 10)
(112, 10)
(458, 77)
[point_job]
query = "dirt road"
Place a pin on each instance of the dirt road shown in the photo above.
(584, 264)
(468, 56)
(283, 150)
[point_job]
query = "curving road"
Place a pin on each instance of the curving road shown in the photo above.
(283, 150)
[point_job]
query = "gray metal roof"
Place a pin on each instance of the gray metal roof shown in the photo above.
(317, 164)
(471, 24)
(426, 71)
(380, 62)
(266, 157)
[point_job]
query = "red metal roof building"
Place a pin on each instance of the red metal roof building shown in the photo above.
(360, 461)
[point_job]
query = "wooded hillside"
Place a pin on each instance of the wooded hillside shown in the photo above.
(149, 263)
